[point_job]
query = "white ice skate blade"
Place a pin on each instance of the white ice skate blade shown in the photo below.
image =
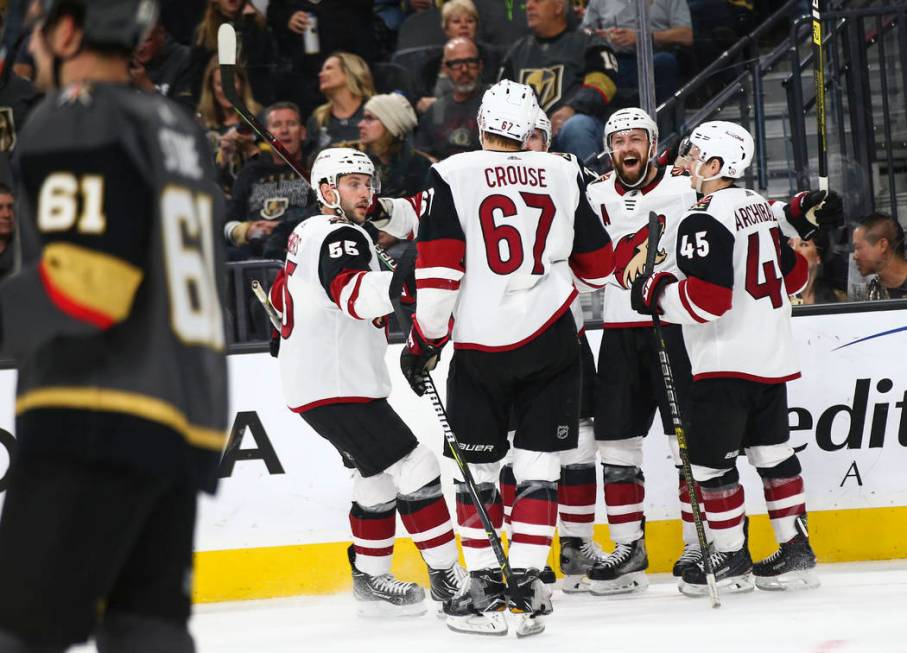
(575, 585)
(487, 623)
(729, 585)
(527, 625)
(626, 584)
(383, 609)
(802, 579)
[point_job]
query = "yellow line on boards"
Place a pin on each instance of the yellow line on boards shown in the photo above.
(267, 572)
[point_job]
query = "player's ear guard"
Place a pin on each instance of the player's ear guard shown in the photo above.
(646, 290)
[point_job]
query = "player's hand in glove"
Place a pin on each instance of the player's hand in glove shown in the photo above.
(274, 344)
(647, 289)
(380, 212)
(811, 210)
(419, 357)
(406, 262)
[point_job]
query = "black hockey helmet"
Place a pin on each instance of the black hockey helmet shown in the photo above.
(107, 23)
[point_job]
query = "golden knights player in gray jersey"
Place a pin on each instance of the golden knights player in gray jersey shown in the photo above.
(116, 325)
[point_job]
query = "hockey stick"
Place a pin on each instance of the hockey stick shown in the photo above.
(454, 445)
(671, 391)
(819, 73)
(262, 297)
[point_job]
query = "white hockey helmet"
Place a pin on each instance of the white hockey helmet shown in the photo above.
(333, 163)
(508, 109)
(543, 124)
(624, 120)
(727, 141)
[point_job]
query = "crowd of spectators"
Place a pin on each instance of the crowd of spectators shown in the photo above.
(402, 80)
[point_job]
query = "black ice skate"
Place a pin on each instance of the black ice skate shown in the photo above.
(622, 571)
(529, 600)
(791, 567)
(691, 555)
(445, 583)
(478, 607)
(733, 573)
(385, 596)
(578, 556)
(547, 576)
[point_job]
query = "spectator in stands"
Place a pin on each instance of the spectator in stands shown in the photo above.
(161, 65)
(384, 131)
(267, 192)
(181, 16)
(818, 290)
(342, 26)
(346, 81)
(450, 125)
(571, 74)
(878, 251)
(256, 48)
(500, 24)
(232, 141)
(10, 256)
(669, 21)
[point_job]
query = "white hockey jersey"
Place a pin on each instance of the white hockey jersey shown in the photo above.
(506, 240)
(333, 299)
(733, 298)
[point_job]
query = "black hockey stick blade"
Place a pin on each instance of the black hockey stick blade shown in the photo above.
(654, 237)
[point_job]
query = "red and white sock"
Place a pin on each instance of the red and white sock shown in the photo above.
(533, 520)
(785, 500)
(576, 500)
(688, 527)
(477, 549)
(428, 522)
(624, 503)
(726, 514)
(373, 539)
(507, 483)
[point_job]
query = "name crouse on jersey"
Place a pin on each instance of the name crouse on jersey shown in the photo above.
(506, 241)
(733, 300)
(333, 297)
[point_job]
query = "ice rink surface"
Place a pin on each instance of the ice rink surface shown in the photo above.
(860, 608)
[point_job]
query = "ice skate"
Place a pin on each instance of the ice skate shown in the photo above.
(578, 556)
(384, 595)
(547, 576)
(791, 567)
(733, 573)
(478, 608)
(622, 571)
(529, 600)
(445, 583)
(691, 555)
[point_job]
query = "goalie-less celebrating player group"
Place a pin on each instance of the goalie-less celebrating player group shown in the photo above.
(116, 325)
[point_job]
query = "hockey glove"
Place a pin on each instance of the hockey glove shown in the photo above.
(274, 344)
(647, 289)
(380, 212)
(811, 210)
(419, 357)
(406, 262)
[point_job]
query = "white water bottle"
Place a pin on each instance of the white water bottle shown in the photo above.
(310, 41)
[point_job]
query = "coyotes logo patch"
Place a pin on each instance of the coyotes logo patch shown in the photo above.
(548, 84)
(630, 254)
(702, 204)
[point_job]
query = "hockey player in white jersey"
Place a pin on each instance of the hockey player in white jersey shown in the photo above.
(734, 275)
(507, 235)
(334, 301)
(630, 386)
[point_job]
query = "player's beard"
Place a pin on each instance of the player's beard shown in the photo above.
(631, 177)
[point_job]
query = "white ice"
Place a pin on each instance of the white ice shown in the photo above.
(860, 608)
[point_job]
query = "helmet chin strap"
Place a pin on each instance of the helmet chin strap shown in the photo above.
(701, 180)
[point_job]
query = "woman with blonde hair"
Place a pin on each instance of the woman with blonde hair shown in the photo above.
(256, 47)
(232, 142)
(346, 81)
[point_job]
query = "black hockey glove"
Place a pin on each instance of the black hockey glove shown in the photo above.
(406, 262)
(274, 343)
(812, 210)
(419, 357)
(647, 289)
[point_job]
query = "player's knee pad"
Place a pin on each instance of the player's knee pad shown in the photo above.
(768, 456)
(787, 468)
(675, 450)
(482, 473)
(10, 643)
(626, 452)
(132, 633)
(415, 470)
(374, 493)
(584, 453)
(711, 477)
(621, 474)
(536, 466)
(431, 490)
(536, 490)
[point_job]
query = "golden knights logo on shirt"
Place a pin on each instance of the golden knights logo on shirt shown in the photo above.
(274, 207)
(7, 129)
(548, 84)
